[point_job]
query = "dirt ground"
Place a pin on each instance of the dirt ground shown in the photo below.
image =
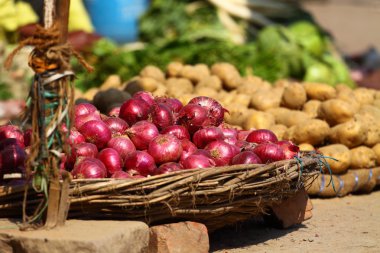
(349, 224)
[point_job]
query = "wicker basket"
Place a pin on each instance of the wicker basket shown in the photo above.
(216, 197)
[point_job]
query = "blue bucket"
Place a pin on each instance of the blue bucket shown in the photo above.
(116, 19)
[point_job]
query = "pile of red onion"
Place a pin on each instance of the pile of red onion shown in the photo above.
(148, 136)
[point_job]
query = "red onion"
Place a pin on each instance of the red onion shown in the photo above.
(75, 137)
(142, 133)
(165, 148)
(221, 152)
(202, 152)
(290, 149)
(242, 134)
(140, 162)
(204, 136)
(197, 162)
(11, 131)
(121, 175)
(88, 167)
(246, 157)
(192, 116)
(111, 159)
(167, 168)
(134, 110)
(269, 152)
(123, 145)
(11, 157)
(231, 140)
(116, 125)
(174, 104)
(84, 109)
(261, 136)
(80, 120)
(146, 96)
(246, 146)
(114, 112)
(188, 148)
(83, 149)
(178, 131)
(213, 107)
(8, 142)
(28, 137)
(96, 132)
(228, 132)
(161, 116)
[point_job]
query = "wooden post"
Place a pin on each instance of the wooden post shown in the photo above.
(57, 13)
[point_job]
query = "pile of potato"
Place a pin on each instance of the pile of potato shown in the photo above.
(340, 122)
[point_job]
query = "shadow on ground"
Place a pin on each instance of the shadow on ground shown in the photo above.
(245, 234)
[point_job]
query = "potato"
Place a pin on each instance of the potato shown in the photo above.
(148, 83)
(174, 69)
(319, 91)
(311, 108)
(279, 130)
(161, 91)
(288, 117)
(349, 97)
(342, 88)
(351, 133)
(178, 86)
(237, 114)
(153, 72)
(90, 93)
(335, 111)
(229, 75)
(259, 120)
(362, 157)
(339, 152)
(195, 73)
(372, 128)
(206, 91)
(212, 82)
(376, 149)
(264, 99)
(227, 98)
(250, 84)
(185, 98)
(243, 99)
(306, 147)
(113, 81)
(312, 131)
(370, 111)
(364, 96)
(282, 83)
(376, 103)
(294, 96)
(377, 94)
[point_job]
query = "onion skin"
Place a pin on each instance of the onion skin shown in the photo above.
(84, 109)
(121, 175)
(134, 110)
(174, 104)
(83, 149)
(146, 96)
(114, 112)
(198, 162)
(228, 132)
(165, 148)
(11, 131)
(116, 125)
(28, 137)
(215, 111)
(269, 152)
(188, 148)
(123, 145)
(204, 136)
(79, 121)
(262, 136)
(75, 137)
(88, 167)
(221, 152)
(11, 157)
(246, 157)
(178, 131)
(161, 116)
(167, 168)
(140, 162)
(8, 142)
(111, 159)
(290, 149)
(142, 133)
(96, 132)
(193, 117)
(242, 134)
